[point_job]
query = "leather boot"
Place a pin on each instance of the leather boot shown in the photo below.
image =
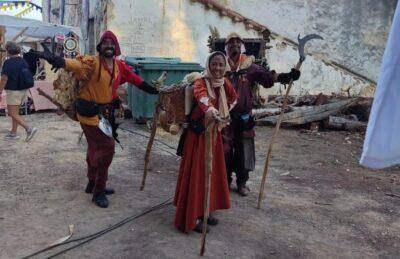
(100, 199)
(199, 227)
(90, 187)
(243, 190)
(211, 220)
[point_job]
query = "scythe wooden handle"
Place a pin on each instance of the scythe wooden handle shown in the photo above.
(149, 145)
(271, 144)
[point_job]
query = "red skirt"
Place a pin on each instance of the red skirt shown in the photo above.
(190, 193)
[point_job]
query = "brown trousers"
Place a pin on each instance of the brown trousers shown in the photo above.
(99, 155)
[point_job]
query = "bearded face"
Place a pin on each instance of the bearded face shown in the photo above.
(107, 48)
(234, 47)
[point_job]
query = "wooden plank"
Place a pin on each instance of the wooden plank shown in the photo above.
(308, 114)
(311, 118)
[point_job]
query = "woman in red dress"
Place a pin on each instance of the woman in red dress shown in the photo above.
(213, 95)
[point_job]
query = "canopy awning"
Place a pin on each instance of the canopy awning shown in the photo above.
(34, 28)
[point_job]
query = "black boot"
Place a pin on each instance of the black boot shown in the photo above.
(90, 187)
(212, 221)
(199, 227)
(100, 199)
(243, 190)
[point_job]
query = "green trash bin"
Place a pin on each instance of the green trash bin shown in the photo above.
(150, 68)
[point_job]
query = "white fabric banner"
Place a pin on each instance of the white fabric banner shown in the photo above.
(382, 140)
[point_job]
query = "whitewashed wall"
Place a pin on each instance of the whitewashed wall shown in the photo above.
(167, 28)
(355, 31)
(180, 28)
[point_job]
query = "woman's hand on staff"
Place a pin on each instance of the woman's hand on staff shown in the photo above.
(213, 112)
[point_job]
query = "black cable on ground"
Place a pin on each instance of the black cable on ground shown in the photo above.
(143, 135)
(93, 236)
(88, 238)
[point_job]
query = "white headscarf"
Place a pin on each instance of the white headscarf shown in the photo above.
(214, 83)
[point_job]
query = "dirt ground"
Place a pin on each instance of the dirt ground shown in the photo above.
(319, 202)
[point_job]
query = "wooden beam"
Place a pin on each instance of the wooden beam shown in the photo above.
(345, 124)
(307, 114)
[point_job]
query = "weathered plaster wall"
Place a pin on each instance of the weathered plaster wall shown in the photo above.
(181, 28)
(355, 31)
(355, 34)
(73, 12)
(167, 28)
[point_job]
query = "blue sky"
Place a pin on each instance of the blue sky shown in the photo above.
(35, 14)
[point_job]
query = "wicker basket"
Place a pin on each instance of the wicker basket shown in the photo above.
(66, 89)
(172, 101)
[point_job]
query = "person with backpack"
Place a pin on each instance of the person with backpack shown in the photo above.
(16, 79)
(99, 78)
(214, 96)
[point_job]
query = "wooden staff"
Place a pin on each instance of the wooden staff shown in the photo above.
(48, 97)
(70, 113)
(271, 143)
(210, 126)
(149, 145)
(302, 43)
(157, 83)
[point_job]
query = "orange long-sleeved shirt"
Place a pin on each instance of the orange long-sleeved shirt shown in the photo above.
(99, 89)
